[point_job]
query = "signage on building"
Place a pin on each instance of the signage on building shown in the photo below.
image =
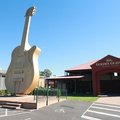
(108, 62)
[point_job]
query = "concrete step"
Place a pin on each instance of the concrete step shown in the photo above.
(12, 105)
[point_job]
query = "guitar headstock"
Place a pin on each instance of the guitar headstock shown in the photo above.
(31, 11)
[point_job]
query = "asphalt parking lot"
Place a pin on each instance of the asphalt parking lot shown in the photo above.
(66, 110)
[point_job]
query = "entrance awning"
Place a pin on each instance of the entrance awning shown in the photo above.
(65, 77)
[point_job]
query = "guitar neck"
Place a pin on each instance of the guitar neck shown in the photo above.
(24, 44)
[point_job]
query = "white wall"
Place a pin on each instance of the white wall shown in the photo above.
(2, 83)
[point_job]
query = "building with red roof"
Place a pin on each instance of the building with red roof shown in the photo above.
(96, 77)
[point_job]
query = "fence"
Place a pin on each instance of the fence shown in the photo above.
(48, 96)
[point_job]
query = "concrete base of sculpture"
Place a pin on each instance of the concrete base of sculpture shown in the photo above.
(29, 101)
(26, 102)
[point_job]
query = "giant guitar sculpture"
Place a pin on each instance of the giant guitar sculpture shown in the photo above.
(23, 73)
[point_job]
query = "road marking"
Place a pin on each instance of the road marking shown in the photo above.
(107, 105)
(96, 105)
(87, 109)
(28, 119)
(15, 114)
(105, 108)
(102, 113)
(61, 110)
(89, 118)
(6, 112)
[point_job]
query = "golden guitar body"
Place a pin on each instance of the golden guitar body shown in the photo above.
(23, 73)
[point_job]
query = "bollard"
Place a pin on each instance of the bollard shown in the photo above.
(34, 93)
(66, 94)
(58, 94)
(36, 98)
(47, 96)
(58, 98)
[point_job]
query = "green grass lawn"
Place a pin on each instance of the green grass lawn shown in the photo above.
(83, 98)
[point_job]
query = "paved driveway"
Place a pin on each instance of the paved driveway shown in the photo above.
(114, 100)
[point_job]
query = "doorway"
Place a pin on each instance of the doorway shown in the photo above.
(110, 83)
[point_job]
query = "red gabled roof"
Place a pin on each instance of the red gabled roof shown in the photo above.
(86, 66)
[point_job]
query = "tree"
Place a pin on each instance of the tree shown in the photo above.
(46, 73)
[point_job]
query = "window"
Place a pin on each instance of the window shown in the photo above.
(115, 74)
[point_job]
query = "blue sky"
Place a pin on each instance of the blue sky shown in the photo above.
(69, 32)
